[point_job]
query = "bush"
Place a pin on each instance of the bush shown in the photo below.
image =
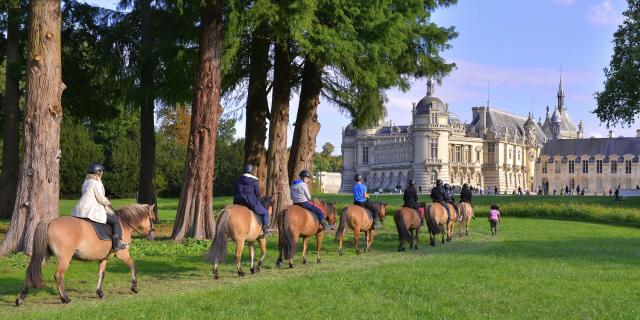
(123, 168)
(228, 166)
(170, 161)
(78, 151)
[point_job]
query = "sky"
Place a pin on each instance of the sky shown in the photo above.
(511, 53)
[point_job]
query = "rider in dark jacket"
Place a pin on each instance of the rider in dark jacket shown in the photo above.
(465, 194)
(450, 198)
(438, 194)
(248, 194)
(411, 196)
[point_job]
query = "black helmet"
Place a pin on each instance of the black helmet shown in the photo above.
(439, 182)
(248, 168)
(446, 186)
(358, 177)
(465, 186)
(304, 174)
(411, 182)
(95, 167)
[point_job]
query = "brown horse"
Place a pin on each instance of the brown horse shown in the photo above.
(408, 224)
(298, 222)
(358, 220)
(72, 238)
(240, 224)
(439, 222)
(466, 214)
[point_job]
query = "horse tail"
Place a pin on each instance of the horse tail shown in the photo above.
(218, 250)
(39, 255)
(288, 246)
(343, 223)
(432, 223)
(403, 233)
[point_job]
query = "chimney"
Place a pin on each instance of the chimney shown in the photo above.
(610, 133)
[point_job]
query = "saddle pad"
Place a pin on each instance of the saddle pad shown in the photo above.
(103, 231)
(315, 217)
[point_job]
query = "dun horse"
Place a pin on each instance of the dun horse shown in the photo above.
(297, 222)
(356, 218)
(240, 224)
(466, 214)
(439, 222)
(408, 224)
(72, 238)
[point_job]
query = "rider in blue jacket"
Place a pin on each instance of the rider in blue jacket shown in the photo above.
(248, 194)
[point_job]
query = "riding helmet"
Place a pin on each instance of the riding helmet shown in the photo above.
(358, 177)
(446, 186)
(439, 182)
(465, 186)
(304, 174)
(248, 168)
(95, 167)
(411, 182)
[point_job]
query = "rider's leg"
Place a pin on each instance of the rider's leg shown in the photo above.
(114, 222)
(374, 211)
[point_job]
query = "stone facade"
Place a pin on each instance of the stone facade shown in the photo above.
(497, 149)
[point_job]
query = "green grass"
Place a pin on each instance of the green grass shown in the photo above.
(534, 269)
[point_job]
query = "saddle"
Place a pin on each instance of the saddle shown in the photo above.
(415, 210)
(315, 217)
(103, 231)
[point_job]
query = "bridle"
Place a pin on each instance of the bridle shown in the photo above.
(152, 228)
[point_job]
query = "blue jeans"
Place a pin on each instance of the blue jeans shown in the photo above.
(309, 206)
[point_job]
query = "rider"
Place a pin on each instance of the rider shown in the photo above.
(438, 194)
(361, 198)
(465, 194)
(301, 196)
(411, 199)
(93, 205)
(248, 194)
(449, 197)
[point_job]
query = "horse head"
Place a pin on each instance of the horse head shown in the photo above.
(267, 202)
(382, 208)
(329, 210)
(139, 217)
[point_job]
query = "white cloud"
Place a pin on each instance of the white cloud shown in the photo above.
(564, 2)
(603, 14)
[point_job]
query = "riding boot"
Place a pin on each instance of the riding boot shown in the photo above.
(422, 222)
(376, 223)
(325, 224)
(266, 231)
(116, 240)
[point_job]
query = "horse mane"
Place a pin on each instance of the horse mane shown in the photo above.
(132, 214)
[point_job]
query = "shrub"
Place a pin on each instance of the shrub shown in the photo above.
(78, 151)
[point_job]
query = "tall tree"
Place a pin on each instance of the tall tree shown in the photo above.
(146, 189)
(195, 217)
(38, 180)
(10, 152)
(619, 102)
(257, 104)
(277, 174)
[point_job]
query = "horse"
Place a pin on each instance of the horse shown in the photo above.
(240, 224)
(439, 222)
(73, 238)
(466, 214)
(298, 222)
(357, 219)
(408, 224)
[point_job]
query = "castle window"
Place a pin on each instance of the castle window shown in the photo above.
(585, 166)
(434, 118)
(572, 184)
(614, 167)
(458, 155)
(491, 149)
(598, 166)
(558, 170)
(518, 155)
(544, 167)
(572, 166)
(433, 148)
(365, 154)
(434, 176)
(509, 154)
(478, 156)
(627, 166)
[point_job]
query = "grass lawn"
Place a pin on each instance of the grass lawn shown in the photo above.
(533, 269)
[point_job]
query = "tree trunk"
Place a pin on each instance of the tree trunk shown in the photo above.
(38, 182)
(195, 217)
(10, 155)
(146, 186)
(277, 174)
(257, 105)
(307, 126)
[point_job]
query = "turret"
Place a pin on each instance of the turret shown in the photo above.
(580, 130)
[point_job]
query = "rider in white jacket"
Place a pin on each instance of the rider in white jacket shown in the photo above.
(95, 206)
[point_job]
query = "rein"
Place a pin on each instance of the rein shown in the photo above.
(132, 228)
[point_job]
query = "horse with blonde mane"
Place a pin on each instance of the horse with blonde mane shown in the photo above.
(240, 224)
(357, 218)
(298, 222)
(438, 221)
(466, 214)
(74, 238)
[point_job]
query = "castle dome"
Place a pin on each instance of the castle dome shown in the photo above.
(430, 102)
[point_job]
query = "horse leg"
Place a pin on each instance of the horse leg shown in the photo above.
(305, 244)
(295, 241)
(416, 241)
(356, 239)
(319, 237)
(369, 240)
(239, 248)
(252, 253)
(103, 267)
(340, 240)
(63, 265)
(279, 261)
(263, 249)
(124, 256)
(445, 229)
(466, 228)
(432, 239)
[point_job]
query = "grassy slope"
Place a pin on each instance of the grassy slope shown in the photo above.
(532, 269)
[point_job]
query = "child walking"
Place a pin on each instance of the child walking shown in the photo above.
(494, 219)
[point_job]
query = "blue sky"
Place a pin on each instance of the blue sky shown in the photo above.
(519, 48)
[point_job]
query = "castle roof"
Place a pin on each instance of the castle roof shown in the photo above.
(604, 146)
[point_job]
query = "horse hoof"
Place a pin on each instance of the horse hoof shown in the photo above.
(241, 273)
(278, 263)
(19, 301)
(258, 269)
(304, 262)
(318, 260)
(216, 277)
(253, 270)
(358, 252)
(259, 264)
(290, 265)
(65, 300)
(134, 289)
(100, 294)
(340, 253)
